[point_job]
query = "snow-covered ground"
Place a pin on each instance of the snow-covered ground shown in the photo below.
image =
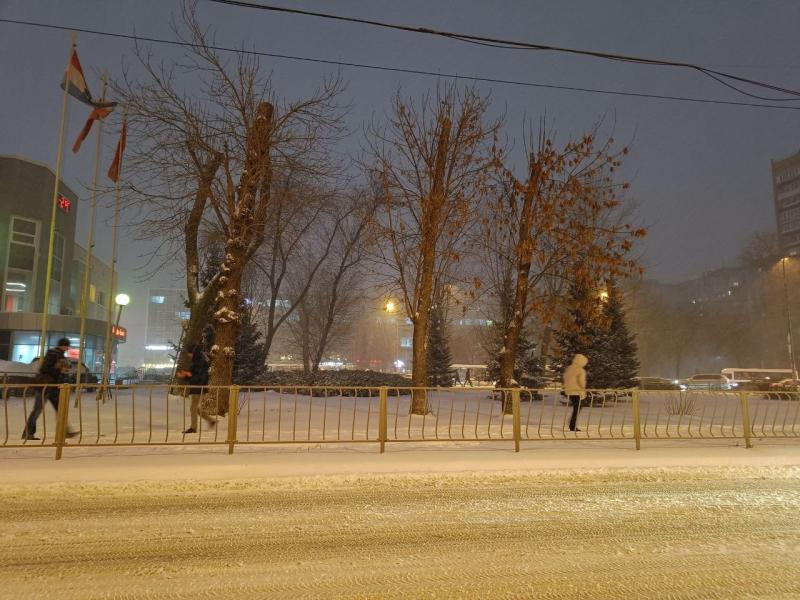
(563, 519)
(149, 415)
(677, 532)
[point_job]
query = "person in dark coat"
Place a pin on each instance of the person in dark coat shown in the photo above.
(52, 370)
(197, 380)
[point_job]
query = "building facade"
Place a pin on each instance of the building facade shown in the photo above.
(786, 194)
(166, 312)
(26, 196)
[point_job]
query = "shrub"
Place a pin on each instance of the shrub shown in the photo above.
(335, 379)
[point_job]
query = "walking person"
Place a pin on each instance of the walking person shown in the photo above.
(575, 386)
(52, 370)
(468, 378)
(198, 378)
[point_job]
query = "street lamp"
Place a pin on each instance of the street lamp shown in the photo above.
(122, 300)
(391, 308)
(789, 338)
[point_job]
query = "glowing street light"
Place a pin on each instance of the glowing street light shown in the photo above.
(391, 308)
(603, 296)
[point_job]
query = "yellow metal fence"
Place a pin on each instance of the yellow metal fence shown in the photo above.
(93, 415)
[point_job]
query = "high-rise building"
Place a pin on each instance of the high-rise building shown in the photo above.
(786, 192)
(166, 312)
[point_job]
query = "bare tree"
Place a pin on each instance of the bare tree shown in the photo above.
(303, 226)
(431, 163)
(208, 141)
(560, 216)
(326, 309)
(761, 250)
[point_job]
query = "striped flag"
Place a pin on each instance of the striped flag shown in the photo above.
(113, 170)
(75, 84)
(97, 113)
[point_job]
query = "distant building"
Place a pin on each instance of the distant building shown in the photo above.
(786, 193)
(26, 196)
(166, 311)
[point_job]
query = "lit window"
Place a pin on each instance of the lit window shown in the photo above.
(20, 265)
(157, 299)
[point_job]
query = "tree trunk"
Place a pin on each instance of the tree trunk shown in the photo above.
(245, 230)
(200, 302)
(431, 217)
(508, 355)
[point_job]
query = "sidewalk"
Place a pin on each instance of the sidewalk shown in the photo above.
(33, 465)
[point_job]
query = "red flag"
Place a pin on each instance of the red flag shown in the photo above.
(96, 114)
(75, 84)
(113, 170)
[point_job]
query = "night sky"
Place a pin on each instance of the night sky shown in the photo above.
(700, 173)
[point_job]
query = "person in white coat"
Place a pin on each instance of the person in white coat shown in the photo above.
(575, 386)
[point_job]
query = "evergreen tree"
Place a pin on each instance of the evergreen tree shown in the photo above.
(439, 356)
(616, 350)
(251, 351)
(596, 328)
(250, 348)
(579, 328)
(528, 367)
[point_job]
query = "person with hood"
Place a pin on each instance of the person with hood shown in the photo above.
(52, 370)
(575, 386)
(198, 377)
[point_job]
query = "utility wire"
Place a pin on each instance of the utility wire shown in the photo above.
(718, 76)
(455, 76)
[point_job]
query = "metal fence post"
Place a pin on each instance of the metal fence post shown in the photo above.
(233, 414)
(637, 420)
(62, 416)
(746, 419)
(383, 398)
(515, 410)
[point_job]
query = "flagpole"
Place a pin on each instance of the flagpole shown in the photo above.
(113, 283)
(87, 268)
(43, 338)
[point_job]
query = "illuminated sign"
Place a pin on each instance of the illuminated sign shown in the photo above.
(64, 203)
(120, 333)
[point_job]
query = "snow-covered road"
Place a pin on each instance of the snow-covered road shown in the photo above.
(702, 532)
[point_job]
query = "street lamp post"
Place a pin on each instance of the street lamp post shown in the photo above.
(789, 337)
(391, 308)
(121, 300)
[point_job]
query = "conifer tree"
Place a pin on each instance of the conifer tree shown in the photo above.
(439, 356)
(251, 351)
(595, 327)
(615, 349)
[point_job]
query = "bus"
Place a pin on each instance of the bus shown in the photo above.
(753, 378)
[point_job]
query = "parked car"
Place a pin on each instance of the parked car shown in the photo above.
(86, 375)
(17, 374)
(657, 383)
(783, 388)
(705, 381)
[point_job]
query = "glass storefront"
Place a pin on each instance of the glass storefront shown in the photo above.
(24, 347)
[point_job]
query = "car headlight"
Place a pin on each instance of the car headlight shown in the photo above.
(682, 386)
(734, 384)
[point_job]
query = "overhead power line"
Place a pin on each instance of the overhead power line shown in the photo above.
(456, 76)
(718, 76)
